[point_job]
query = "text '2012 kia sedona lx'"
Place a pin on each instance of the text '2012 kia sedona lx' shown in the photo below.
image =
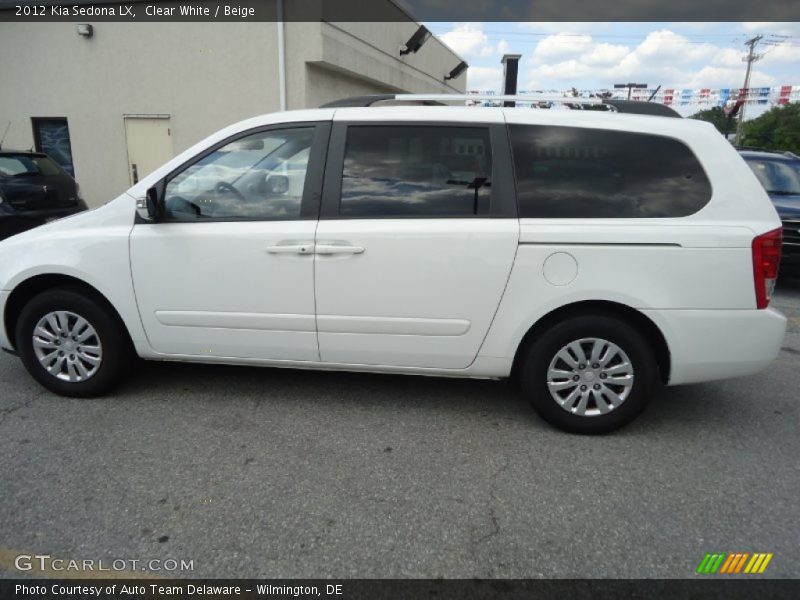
(590, 254)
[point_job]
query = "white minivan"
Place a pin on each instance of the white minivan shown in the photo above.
(589, 254)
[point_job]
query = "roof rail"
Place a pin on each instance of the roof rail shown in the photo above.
(620, 106)
(364, 101)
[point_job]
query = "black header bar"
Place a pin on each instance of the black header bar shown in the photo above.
(398, 589)
(402, 10)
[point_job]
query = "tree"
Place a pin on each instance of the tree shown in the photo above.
(776, 129)
(716, 117)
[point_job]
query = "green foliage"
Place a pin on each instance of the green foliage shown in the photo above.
(718, 118)
(776, 129)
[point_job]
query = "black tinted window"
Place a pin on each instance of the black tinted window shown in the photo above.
(777, 176)
(573, 172)
(26, 164)
(416, 171)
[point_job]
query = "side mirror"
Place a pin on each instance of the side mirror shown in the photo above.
(155, 206)
(277, 185)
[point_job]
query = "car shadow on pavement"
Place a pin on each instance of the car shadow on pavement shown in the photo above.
(226, 383)
(692, 407)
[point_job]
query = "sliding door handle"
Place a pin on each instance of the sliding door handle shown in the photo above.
(338, 249)
(291, 247)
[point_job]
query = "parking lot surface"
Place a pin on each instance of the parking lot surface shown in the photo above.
(252, 472)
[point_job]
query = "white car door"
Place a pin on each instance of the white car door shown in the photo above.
(229, 269)
(416, 239)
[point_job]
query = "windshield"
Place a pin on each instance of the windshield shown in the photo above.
(777, 176)
(26, 164)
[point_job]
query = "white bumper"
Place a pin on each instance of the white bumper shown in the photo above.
(706, 345)
(4, 341)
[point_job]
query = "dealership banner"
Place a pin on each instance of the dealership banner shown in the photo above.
(396, 589)
(700, 98)
(400, 10)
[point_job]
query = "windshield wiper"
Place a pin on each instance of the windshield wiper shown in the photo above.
(783, 192)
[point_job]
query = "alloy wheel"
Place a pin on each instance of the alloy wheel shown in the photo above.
(67, 346)
(590, 377)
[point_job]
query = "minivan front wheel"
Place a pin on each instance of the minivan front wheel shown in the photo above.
(71, 343)
(589, 374)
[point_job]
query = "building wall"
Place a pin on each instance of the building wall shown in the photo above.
(203, 75)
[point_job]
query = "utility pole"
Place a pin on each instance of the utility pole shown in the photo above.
(749, 59)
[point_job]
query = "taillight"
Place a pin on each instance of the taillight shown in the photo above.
(766, 258)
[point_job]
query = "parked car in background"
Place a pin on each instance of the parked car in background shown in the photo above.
(34, 189)
(779, 173)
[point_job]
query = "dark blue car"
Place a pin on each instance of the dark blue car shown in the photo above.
(779, 173)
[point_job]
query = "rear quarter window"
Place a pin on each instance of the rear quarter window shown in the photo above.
(24, 164)
(574, 172)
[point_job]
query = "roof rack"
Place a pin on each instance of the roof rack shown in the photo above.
(620, 106)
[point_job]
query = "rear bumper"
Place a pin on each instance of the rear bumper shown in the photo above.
(706, 345)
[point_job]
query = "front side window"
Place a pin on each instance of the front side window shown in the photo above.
(573, 172)
(392, 171)
(258, 177)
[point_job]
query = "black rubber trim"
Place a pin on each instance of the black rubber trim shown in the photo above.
(644, 244)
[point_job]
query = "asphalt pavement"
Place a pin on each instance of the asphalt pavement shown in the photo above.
(252, 472)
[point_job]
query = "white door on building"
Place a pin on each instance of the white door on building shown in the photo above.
(149, 144)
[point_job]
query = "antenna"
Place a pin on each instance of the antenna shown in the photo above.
(4, 135)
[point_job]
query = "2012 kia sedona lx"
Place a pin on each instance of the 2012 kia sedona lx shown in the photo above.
(590, 254)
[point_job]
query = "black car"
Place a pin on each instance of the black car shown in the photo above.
(34, 189)
(779, 173)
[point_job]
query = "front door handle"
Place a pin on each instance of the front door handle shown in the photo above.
(338, 249)
(291, 247)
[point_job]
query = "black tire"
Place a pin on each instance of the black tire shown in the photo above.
(536, 363)
(117, 353)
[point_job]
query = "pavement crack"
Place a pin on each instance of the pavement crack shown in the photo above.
(495, 528)
(495, 524)
(6, 412)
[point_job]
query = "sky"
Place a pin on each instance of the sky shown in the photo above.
(557, 56)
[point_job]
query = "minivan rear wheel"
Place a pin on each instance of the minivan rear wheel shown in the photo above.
(589, 374)
(72, 344)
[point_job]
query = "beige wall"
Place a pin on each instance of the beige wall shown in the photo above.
(364, 58)
(204, 75)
